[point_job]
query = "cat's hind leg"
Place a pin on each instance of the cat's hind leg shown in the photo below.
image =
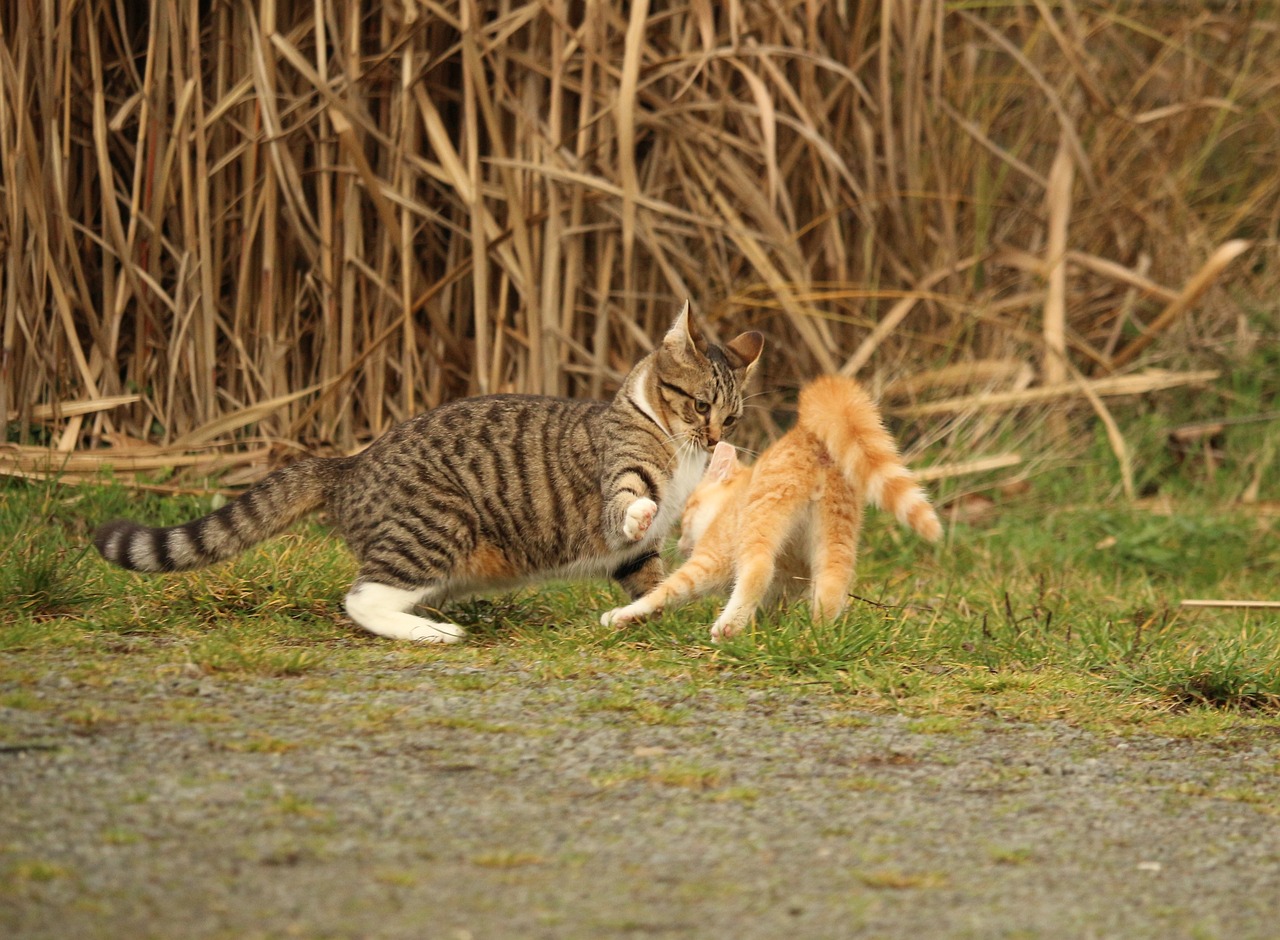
(384, 609)
(640, 575)
(833, 550)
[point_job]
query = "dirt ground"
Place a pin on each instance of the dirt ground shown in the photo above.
(441, 804)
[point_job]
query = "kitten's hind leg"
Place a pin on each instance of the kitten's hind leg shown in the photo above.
(384, 610)
(834, 551)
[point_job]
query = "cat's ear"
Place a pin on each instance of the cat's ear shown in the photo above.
(723, 463)
(684, 338)
(744, 349)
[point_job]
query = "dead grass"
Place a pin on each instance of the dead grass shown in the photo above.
(286, 222)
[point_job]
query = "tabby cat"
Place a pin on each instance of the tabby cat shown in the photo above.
(799, 508)
(486, 492)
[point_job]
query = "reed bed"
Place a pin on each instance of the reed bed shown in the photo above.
(277, 224)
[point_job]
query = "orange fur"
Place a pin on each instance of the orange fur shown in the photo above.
(488, 563)
(799, 507)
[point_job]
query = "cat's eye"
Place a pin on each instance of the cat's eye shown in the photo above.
(702, 407)
(730, 421)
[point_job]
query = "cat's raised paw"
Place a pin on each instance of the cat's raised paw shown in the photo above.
(638, 519)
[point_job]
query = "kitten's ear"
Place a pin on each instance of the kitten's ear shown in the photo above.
(723, 463)
(745, 349)
(684, 338)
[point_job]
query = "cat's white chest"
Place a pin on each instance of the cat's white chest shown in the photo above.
(689, 470)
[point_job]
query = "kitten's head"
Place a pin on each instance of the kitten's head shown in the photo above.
(697, 387)
(710, 495)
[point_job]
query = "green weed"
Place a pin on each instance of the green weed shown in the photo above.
(895, 880)
(1061, 603)
(645, 710)
(506, 858)
(234, 655)
(1235, 674)
(36, 870)
(791, 645)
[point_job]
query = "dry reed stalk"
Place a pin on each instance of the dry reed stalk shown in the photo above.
(67, 409)
(1140, 384)
(968, 467)
(1231, 604)
(1195, 287)
(896, 314)
(16, 460)
(959, 375)
(1133, 277)
(1114, 437)
(130, 483)
(212, 209)
(1054, 364)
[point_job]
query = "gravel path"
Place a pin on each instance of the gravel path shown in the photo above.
(425, 805)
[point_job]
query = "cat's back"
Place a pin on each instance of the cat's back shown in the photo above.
(497, 442)
(520, 471)
(498, 425)
(793, 466)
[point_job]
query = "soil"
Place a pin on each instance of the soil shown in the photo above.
(432, 801)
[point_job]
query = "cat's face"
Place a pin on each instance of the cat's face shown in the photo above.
(700, 386)
(710, 496)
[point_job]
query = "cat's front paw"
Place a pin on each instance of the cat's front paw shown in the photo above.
(638, 519)
(724, 628)
(621, 616)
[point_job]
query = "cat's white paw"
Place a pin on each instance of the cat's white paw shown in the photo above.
(431, 631)
(384, 610)
(638, 519)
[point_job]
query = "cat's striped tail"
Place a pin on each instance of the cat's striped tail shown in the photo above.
(843, 417)
(264, 510)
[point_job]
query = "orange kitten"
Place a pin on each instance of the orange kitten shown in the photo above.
(800, 506)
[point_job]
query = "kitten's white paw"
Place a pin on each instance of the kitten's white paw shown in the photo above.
(621, 616)
(638, 519)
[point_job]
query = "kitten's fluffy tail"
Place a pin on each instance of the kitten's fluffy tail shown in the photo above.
(844, 418)
(261, 512)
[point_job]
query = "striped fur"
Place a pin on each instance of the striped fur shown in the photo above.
(798, 509)
(266, 510)
(487, 492)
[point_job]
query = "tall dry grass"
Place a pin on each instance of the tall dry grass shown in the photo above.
(301, 221)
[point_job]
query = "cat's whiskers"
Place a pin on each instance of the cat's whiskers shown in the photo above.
(686, 446)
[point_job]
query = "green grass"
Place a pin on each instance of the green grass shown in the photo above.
(1063, 603)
